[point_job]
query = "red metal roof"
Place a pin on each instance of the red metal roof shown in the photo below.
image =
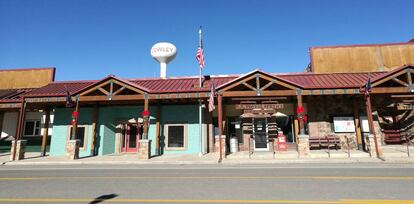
(190, 84)
(12, 95)
(330, 81)
(59, 88)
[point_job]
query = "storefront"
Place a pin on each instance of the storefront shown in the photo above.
(253, 108)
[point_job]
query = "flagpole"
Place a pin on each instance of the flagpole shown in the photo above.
(199, 100)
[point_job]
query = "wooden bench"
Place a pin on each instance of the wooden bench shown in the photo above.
(325, 142)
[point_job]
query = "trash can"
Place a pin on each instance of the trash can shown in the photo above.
(234, 145)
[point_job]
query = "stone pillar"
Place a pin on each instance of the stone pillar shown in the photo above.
(303, 145)
(371, 145)
(217, 145)
(20, 149)
(72, 149)
(144, 149)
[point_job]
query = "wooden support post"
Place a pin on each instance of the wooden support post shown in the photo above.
(410, 81)
(94, 128)
(146, 122)
(45, 133)
(220, 124)
(19, 127)
(75, 124)
(371, 122)
(357, 124)
(1, 122)
(157, 130)
(301, 124)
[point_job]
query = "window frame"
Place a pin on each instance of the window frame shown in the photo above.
(166, 127)
(85, 138)
(34, 128)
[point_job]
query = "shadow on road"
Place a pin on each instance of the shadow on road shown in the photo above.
(103, 198)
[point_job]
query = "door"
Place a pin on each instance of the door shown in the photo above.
(130, 138)
(260, 134)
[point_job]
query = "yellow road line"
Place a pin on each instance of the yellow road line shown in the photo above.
(215, 177)
(203, 201)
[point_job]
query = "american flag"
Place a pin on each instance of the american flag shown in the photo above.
(211, 106)
(200, 57)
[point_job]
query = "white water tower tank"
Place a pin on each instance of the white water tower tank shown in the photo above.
(163, 52)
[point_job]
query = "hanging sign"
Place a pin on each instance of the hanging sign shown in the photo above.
(259, 106)
(405, 106)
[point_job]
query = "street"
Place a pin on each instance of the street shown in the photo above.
(276, 183)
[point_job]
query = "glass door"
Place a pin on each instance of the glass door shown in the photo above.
(260, 134)
(130, 135)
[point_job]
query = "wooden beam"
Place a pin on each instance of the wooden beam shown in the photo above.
(400, 82)
(114, 98)
(249, 86)
(409, 79)
(301, 123)
(118, 91)
(277, 81)
(146, 124)
(45, 133)
(378, 90)
(237, 83)
(388, 78)
(103, 91)
(267, 85)
(357, 123)
(264, 93)
(92, 89)
(157, 130)
(257, 82)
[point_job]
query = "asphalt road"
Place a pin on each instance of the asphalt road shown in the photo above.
(281, 183)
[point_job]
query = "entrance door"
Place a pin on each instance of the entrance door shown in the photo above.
(260, 134)
(130, 138)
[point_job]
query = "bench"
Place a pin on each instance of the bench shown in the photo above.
(325, 142)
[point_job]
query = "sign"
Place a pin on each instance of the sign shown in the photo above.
(259, 111)
(364, 123)
(281, 142)
(344, 124)
(405, 106)
(259, 106)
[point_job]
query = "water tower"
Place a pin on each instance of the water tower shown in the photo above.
(163, 52)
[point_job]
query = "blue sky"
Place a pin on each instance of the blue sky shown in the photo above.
(90, 39)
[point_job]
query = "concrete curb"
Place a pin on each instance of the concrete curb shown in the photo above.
(224, 162)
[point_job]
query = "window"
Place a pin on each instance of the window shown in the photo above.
(80, 135)
(176, 136)
(32, 128)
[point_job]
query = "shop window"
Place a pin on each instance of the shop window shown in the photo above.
(80, 135)
(176, 135)
(32, 128)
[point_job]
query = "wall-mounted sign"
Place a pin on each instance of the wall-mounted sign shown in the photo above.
(257, 111)
(344, 124)
(364, 124)
(259, 106)
(405, 106)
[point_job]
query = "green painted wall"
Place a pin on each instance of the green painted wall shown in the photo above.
(183, 114)
(108, 119)
(61, 123)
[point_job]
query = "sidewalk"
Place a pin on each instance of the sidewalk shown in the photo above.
(392, 154)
